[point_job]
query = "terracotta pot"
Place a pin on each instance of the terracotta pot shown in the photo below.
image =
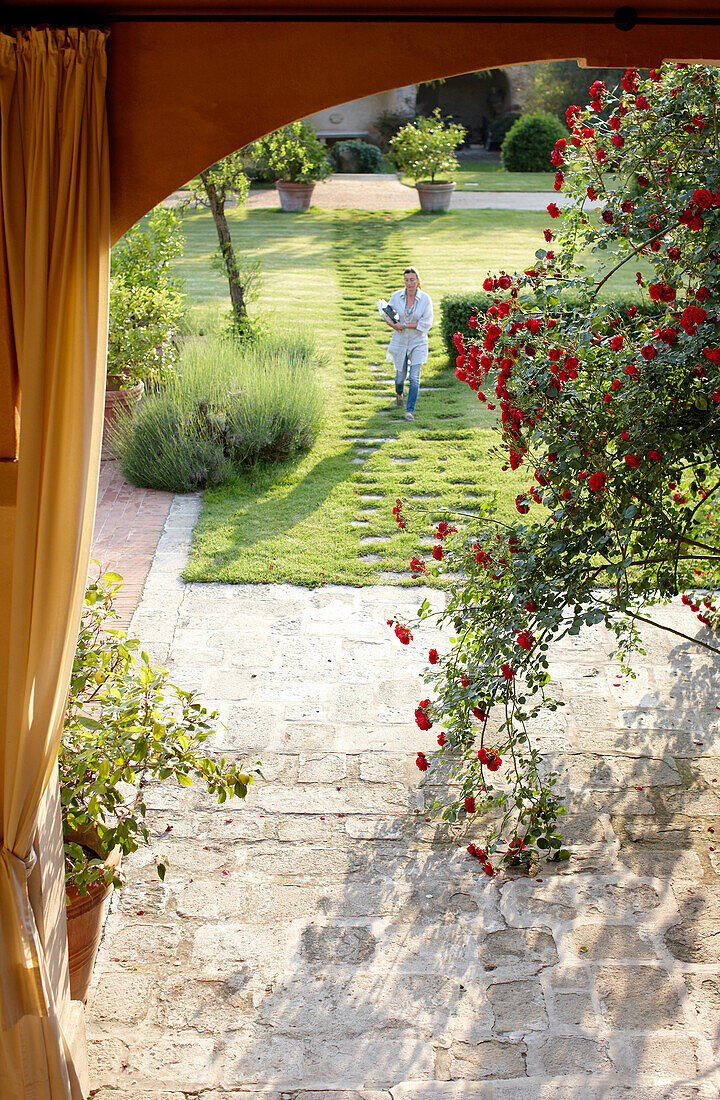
(435, 197)
(118, 402)
(295, 197)
(85, 918)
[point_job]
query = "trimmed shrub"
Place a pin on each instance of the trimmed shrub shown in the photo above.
(455, 309)
(355, 155)
(529, 143)
(230, 406)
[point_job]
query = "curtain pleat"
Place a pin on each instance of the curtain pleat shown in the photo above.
(54, 257)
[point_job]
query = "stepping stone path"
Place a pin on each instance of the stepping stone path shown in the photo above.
(328, 940)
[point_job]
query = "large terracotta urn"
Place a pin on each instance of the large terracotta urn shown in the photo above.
(85, 918)
(435, 197)
(295, 197)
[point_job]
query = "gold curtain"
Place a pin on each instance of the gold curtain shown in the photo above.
(54, 257)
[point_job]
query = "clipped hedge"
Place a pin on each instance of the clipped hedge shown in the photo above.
(455, 309)
(530, 141)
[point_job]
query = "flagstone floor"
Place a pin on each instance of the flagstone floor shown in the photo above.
(326, 940)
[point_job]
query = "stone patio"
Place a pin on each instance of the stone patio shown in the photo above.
(325, 940)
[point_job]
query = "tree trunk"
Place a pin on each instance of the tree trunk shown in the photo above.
(237, 290)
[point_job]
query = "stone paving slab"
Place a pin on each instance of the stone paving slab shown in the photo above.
(325, 940)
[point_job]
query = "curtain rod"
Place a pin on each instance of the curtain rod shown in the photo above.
(623, 19)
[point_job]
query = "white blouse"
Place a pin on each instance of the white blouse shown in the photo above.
(411, 341)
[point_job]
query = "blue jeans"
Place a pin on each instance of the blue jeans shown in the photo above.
(414, 385)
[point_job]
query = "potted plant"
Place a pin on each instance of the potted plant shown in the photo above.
(297, 159)
(146, 311)
(421, 150)
(124, 724)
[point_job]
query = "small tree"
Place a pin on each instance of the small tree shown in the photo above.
(220, 182)
(615, 412)
(294, 154)
(427, 146)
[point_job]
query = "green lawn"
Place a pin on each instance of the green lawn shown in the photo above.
(482, 175)
(328, 516)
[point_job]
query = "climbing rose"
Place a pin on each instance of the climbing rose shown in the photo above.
(632, 460)
(470, 806)
(597, 481)
(507, 671)
(403, 634)
(437, 553)
(433, 656)
(421, 718)
(421, 761)
(553, 210)
(525, 640)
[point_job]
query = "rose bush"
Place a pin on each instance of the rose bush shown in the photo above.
(614, 413)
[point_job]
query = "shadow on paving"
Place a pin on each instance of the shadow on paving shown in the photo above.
(328, 942)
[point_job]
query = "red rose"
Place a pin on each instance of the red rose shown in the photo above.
(632, 460)
(437, 553)
(547, 233)
(489, 283)
(529, 606)
(654, 455)
(403, 634)
(608, 217)
(470, 806)
(421, 761)
(525, 640)
(553, 210)
(591, 193)
(703, 198)
(489, 870)
(494, 762)
(521, 504)
(422, 720)
(507, 671)
(417, 566)
(442, 739)
(597, 481)
(480, 714)
(617, 342)
(433, 657)
(648, 352)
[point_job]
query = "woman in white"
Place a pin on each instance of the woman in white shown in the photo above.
(408, 347)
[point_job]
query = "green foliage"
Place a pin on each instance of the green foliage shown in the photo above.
(558, 84)
(388, 123)
(125, 724)
(530, 141)
(147, 306)
(498, 128)
(361, 156)
(230, 405)
(425, 147)
(228, 179)
(294, 153)
(457, 309)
